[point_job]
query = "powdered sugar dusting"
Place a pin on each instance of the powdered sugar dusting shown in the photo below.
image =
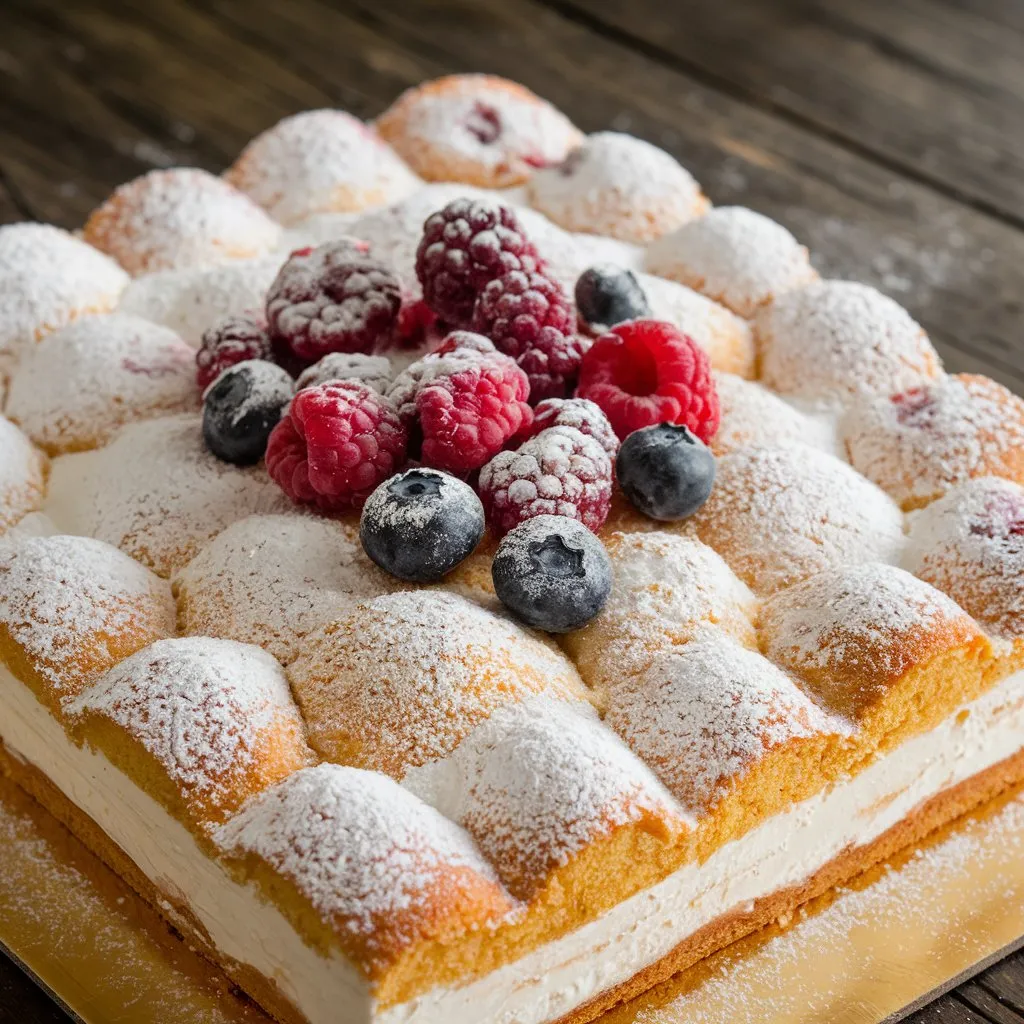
(373, 371)
(50, 278)
(777, 515)
(23, 472)
(273, 580)
(403, 678)
(156, 492)
(370, 858)
(179, 218)
(71, 602)
(702, 714)
(733, 255)
(478, 129)
(317, 161)
(77, 386)
(536, 783)
(207, 710)
(918, 444)
(862, 343)
(615, 184)
(191, 300)
(970, 544)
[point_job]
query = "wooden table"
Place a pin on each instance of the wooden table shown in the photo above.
(887, 134)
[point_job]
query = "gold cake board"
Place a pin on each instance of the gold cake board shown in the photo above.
(867, 953)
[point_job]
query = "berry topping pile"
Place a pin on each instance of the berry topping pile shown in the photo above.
(529, 317)
(232, 340)
(645, 372)
(665, 471)
(335, 298)
(607, 295)
(421, 524)
(561, 472)
(464, 247)
(552, 573)
(242, 407)
(338, 442)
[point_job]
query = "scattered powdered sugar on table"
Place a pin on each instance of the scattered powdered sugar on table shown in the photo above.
(367, 854)
(156, 492)
(207, 710)
(273, 580)
(777, 515)
(733, 255)
(918, 444)
(320, 160)
(615, 184)
(862, 343)
(50, 277)
(191, 300)
(78, 385)
(403, 678)
(970, 544)
(703, 713)
(538, 781)
(63, 599)
(23, 470)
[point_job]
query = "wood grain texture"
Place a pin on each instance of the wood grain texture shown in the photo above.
(885, 135)
(931, 88)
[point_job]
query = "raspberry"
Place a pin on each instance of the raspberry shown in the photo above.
(373, 371)
(464, 246)
(560, 472)
(335, 445)
(235, 339)
(585, 416)
(335, 298)
(467, 416)
(415, 325)
(530, 317)
(644, 372)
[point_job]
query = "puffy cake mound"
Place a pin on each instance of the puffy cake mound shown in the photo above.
(373, 868)
(201, 724)
(179, 218)
(50, 278)
(75, 388)
(733, 255)
(271, 580)
(23, 472)
(918, 444)
(319, 161)
(970, 544)
(156, 492)
(778, 515)
(615, 184)
(71, 608)
(477, 129)
(831, 341)
(402, 679)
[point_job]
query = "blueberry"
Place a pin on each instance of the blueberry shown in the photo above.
(552, 573)
(665, 471)
(607, 295)
(420, 524)
(241, 407)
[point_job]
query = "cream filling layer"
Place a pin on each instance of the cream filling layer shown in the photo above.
(564, 974)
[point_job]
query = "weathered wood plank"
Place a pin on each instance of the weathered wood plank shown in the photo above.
(932, 89)
(22, 1002)
(948, 1010)
(1005, 981)
(976, 995)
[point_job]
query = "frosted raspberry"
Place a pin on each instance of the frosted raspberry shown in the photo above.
(373, 371)
(464, 246)
(560, 472)
(644, 372)
(335, 298)
(530, 317)
(461, 350)
(337, 442)
(467, 416)
(580, 413)
(235, 339)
